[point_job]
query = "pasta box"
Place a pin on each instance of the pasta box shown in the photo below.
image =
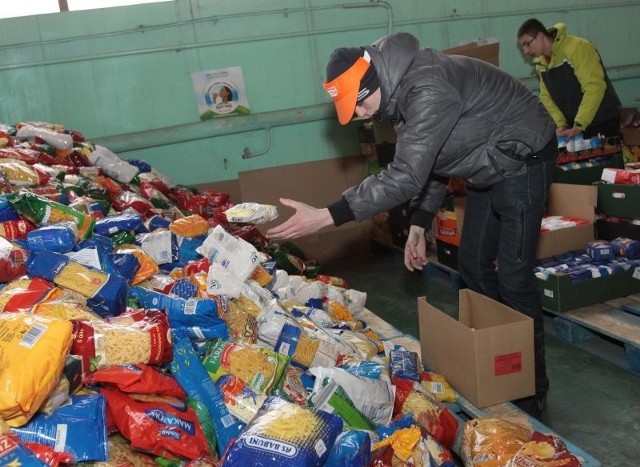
(486, 353)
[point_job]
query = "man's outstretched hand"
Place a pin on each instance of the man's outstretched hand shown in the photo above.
(305, 221)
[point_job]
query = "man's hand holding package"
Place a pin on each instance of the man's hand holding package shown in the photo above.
(415, 249)
(305, 221)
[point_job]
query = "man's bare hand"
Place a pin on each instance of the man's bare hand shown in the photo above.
(415, 249)
(305, 221)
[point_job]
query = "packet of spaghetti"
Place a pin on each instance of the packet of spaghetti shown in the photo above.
(41, 210)
(253, 213)
(106, 293)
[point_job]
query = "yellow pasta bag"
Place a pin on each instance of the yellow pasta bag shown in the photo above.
(32, 351)
(190, 226)
(492, 442)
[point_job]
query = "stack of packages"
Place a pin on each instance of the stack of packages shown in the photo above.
(144, 323)
(578, 152)
(601, 258)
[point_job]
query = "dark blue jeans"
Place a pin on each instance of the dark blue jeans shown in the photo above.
(503, 223)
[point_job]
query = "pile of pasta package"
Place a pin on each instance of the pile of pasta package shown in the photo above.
(146, 323)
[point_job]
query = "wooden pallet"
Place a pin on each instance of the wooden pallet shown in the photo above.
(610, 330)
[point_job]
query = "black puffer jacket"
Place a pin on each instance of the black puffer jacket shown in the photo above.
(453, 116)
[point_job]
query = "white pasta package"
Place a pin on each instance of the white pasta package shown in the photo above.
(52, 138)
(254, 213)
(113, 165)
(235, 254)
(309, 290)
(353, 300)
(220, 281)
(373, 397)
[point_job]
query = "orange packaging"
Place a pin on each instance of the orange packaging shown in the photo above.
(447, 227)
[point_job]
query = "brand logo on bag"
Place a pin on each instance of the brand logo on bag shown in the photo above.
(270, 445)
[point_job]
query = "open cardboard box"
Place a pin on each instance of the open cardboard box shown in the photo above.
(486, 354)
(577, 201)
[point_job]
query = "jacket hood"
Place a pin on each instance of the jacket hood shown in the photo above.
(392, 56)
(559, 30)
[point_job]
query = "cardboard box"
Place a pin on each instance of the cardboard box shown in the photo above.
(489, 52)
(577, 201)
(619, 200)
(486, 354)
(317, 183)
(559, 293)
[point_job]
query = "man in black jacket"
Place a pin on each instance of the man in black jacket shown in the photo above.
(453, 116)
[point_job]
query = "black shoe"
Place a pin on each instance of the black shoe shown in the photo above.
(532, 406)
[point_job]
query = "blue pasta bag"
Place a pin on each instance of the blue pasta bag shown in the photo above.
(106, 293)
(7, 213)
(404, 364)
(187, 368)
(127, 222)
(188, 246)
(198, 317)
(60, 238)
(78, 428)
(285, 433)
(352, 447)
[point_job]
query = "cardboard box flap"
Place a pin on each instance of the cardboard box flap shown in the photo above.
(480, 312)
(578, 201)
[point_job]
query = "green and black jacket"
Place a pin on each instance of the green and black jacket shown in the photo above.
(574, 86)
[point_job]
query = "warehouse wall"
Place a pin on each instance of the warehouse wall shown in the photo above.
(122, 76)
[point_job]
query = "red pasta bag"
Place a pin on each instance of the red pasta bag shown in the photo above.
(138, 379)
(157, 428)
(16, 229)
(129, 199)
(427, 410)
(13, 261)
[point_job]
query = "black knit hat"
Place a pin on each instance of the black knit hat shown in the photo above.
(350, 80)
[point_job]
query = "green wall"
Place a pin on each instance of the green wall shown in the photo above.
(122, 76)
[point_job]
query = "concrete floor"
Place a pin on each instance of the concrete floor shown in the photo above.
(592, 403)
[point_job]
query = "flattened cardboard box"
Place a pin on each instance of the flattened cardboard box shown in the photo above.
(577, 201)
(486, 355)
(316, 183)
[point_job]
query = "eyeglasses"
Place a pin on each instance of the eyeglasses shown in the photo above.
(526, 44)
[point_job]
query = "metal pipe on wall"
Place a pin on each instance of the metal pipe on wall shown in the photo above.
(216, 127)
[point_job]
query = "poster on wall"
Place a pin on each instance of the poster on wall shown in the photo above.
(220, 93)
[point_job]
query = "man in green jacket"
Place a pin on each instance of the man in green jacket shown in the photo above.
(574, 86)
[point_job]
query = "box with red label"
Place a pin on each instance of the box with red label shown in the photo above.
(486, 354)
(449, 218)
